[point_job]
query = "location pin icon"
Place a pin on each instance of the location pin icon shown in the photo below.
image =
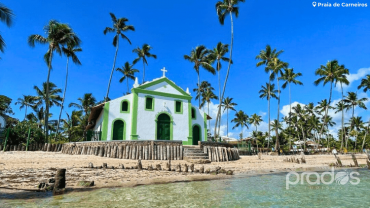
(314, 4)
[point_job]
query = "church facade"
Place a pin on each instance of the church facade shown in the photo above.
(155, 110)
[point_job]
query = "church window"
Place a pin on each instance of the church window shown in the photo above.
(149, 103)
(193, 113)
(125, 106)
(178, 107)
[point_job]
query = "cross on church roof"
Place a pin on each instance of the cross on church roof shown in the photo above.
(164, 71)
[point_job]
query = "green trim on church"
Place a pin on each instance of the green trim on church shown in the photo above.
(105, 121)
(205, 127)
(163, 79)
(134, 135)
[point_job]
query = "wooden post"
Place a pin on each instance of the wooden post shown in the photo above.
(354, 160)
(60, 179)
(6, 138)
(28, 138)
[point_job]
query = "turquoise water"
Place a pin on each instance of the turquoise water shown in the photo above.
(256, 191)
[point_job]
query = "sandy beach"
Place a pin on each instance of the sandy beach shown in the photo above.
(24, 170)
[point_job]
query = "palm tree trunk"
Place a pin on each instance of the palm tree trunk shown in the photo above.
(278, 113)
(363, 142)
(209, 121)
(326, 110)
(47, 97)
(304, 138)
(218, 118)
(25, 114)
(199, 89)
(228, 68)
(227, 124)
(268, 141)
(256, 138)
(290, 114)
(128, 89)
(341, 146)
(64, 96)
(143, 71)
(356, 142)
(111, 74)
(347, 142)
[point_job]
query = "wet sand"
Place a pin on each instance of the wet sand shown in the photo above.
(24, 170)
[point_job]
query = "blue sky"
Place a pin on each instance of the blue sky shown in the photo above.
(310, 36)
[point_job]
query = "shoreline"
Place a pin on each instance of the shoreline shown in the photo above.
(22, 171)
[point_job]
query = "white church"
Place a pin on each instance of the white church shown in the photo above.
(155, 110)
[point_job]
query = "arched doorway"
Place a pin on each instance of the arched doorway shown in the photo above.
(196, 134)
(163, 127)
(118, 129)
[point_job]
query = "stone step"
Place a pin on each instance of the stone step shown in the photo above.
(195, 154)
(193, 150)
(191, 146)
(196, 157)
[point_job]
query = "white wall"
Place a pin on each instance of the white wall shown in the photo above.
(146, 119)
(164, 87)
(115, 112)
(99, 121)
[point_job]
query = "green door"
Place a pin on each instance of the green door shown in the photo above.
(196, 134)
(163, 127)
(118, 127)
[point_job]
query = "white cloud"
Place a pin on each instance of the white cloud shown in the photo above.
(286, 108)
(354, 77)
(213, 109)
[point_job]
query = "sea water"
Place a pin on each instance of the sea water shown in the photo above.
(240, 191)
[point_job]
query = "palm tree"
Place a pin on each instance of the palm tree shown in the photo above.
(276, 66)
(290, 77)
(356, 125)
(329, 122)
(276, 126)
(265, 57)
(352, 101)
(73, 124)
(26, 101)
(85, 103)
(329, 73)
(39, 116)
(228, 104)
(366, 129)
(119, 26)
(208, 96)
(52, 99)
(300, 119)
(6, 16)
(70, 52)
(268, 92)
(204, 86)
(58, 35)
(143, 53)
(218, 54)
(128, 73)
(255, 120)
(259, 138)
(340, 106)
(241, 119)
(365, 83)
(199, 56)
(224, 8)
(342, 79)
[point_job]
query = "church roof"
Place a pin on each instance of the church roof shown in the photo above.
(160, 80)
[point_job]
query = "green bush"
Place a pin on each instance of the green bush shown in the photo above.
(19, 133)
